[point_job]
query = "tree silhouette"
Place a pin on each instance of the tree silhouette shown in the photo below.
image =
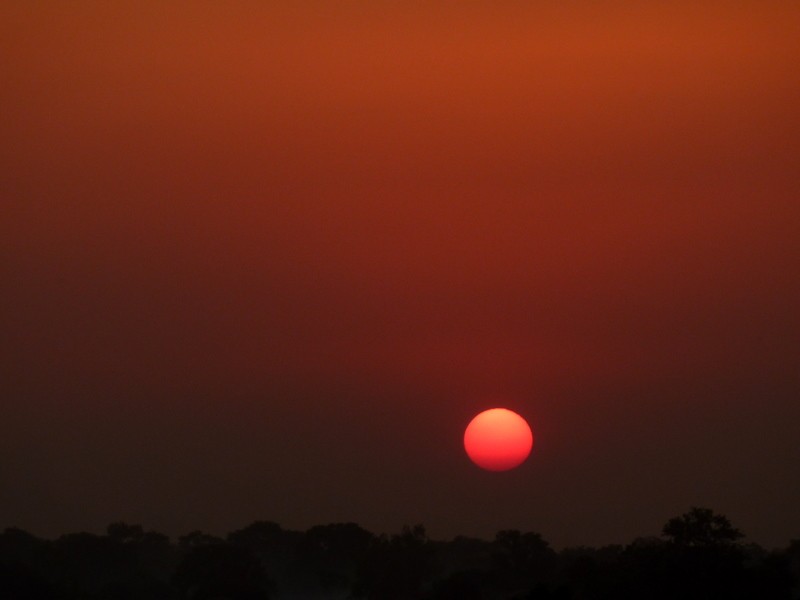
(197, 538)
(122, 532)
(524, 552)
(522, 560)
(701, 527)
(396, 567)
(329, 555)
(273, 546)
(219, 570)
(698, 557)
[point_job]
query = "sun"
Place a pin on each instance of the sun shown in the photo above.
(498, 439)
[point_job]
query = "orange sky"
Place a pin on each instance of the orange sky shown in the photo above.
(341, 230)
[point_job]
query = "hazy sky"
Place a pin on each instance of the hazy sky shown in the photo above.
(266, 260)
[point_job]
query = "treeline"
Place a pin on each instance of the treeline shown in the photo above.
(699, 555)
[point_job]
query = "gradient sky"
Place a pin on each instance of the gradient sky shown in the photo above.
(266, 260)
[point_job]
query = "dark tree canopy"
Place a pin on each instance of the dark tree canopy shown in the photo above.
(701, 527)
(698, 557)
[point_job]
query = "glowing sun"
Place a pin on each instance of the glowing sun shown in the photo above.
(498, 439)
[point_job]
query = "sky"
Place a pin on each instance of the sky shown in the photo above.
(266, 260)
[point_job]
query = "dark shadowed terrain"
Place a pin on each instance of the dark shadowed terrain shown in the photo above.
(700, 554)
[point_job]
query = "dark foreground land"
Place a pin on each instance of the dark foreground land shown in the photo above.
(699, 555)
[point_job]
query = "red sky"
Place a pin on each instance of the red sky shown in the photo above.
(267, 260)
